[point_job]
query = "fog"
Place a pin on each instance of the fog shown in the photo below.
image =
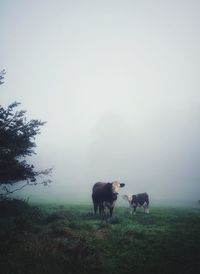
(118, 84)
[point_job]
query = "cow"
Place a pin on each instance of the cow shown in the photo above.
(138, 200)
(104, 196)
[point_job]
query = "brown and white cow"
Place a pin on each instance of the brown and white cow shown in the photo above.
(104, 196)
(138, 200)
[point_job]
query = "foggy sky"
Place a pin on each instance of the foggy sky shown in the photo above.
(118, 84)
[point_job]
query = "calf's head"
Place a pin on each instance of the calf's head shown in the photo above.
(128, 198)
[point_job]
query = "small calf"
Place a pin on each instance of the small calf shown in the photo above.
(141, 199)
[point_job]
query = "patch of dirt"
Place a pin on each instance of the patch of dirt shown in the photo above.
(68, 232)
(101, 234)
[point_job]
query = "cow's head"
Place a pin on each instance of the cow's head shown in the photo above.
(116, 186)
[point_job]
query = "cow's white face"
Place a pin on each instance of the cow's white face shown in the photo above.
(128, 198)
(116, 186)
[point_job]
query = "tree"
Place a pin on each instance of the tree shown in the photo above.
(17, 137)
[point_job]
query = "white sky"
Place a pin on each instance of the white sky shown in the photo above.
(118, 84)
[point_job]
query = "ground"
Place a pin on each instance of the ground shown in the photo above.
(47, 239)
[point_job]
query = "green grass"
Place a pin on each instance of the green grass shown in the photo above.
(70, 239)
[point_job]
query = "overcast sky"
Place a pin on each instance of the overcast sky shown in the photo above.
(118, 84)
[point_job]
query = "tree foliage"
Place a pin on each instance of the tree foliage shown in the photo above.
(17, 141)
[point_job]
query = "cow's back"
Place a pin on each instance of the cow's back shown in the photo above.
(98, 192)
(142, 198)
(98, 187)
(103, 192)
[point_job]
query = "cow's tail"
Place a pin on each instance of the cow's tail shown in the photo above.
(147, 202)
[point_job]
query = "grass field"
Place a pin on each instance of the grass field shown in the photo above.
(70, 239)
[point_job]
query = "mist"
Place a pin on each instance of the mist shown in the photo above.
(118, 84)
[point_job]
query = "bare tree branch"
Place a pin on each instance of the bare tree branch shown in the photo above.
(8, 192)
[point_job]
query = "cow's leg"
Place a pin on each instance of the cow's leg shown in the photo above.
(147, 209)
(95, 208)
(134, 210)
(108, 213)
(101, 209)
(102, 212)
(111, 211)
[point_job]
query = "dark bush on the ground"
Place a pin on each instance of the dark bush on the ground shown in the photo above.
(12, 207)
(18, 216)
